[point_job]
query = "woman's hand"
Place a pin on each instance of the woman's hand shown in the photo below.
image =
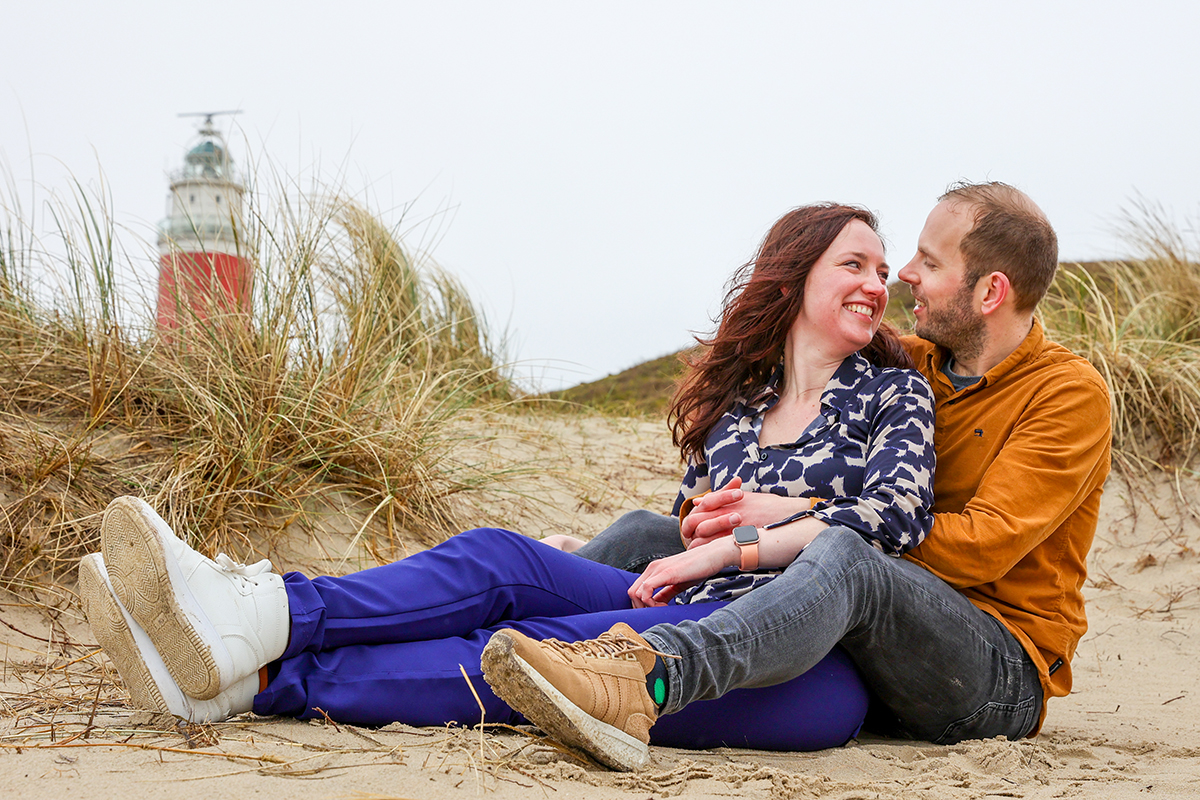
(673, 574)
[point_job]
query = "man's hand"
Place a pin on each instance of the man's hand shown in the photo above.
(675, 573)
(716, 514)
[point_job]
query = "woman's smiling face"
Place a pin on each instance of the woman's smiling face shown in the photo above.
(845, 294)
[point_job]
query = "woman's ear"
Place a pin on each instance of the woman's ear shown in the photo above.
(785, 290)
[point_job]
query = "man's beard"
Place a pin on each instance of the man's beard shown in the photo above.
(958, 327)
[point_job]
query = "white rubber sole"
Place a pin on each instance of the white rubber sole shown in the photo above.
(142, 670)
(524, 689)
(147, 579)
(112, 630)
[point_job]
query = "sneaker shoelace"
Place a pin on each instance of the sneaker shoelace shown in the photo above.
(247, 572)
(608, 645)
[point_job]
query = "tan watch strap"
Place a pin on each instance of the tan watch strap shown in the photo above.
(749, 557)
(749, 550)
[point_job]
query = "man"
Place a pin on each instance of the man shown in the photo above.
(969, 634)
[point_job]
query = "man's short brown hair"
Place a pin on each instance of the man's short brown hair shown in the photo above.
(1011, 235)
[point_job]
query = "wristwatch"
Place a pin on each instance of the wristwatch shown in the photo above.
(746, 537)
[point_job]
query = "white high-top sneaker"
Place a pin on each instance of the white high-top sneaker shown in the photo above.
(141, 669)
(213, 622)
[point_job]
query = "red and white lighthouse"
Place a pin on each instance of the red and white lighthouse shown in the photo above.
(203, 269)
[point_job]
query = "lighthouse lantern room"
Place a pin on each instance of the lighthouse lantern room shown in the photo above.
(203, 269)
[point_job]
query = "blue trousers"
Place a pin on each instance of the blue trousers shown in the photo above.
(386, 645)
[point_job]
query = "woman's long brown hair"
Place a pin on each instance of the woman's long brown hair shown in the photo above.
(763, 300)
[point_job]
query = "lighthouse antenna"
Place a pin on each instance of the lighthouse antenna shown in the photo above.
(206, 128)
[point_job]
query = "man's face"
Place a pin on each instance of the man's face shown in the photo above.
(946, 311)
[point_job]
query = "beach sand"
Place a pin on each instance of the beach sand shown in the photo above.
(1130, 728)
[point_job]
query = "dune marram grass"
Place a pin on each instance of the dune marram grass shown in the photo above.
(353, 377)
(1138, 322)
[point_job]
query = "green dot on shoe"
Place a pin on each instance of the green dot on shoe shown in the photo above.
(660, 691)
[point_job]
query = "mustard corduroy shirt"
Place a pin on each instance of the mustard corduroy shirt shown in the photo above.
(1022, 459)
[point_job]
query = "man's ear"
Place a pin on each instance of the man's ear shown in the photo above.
(991, 291)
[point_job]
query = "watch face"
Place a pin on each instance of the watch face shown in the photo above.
(745, 534)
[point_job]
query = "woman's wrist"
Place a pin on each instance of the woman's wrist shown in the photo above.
(731, 550)
(780, 546)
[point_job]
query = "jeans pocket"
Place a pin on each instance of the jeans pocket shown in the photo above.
(1010, 720)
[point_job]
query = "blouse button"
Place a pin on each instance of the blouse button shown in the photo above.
(762, 456)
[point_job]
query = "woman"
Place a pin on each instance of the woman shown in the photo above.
(783, 402)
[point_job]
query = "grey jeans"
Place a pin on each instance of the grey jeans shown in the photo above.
(946, 670)
(634, 540)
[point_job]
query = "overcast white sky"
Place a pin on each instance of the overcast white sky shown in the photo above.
(595, 171)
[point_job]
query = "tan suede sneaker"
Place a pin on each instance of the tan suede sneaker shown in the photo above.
(591, 694)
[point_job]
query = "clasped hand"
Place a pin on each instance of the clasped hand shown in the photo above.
(706, 533)
(717, 513)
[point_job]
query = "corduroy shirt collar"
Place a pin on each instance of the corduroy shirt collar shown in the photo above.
(937, 357)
